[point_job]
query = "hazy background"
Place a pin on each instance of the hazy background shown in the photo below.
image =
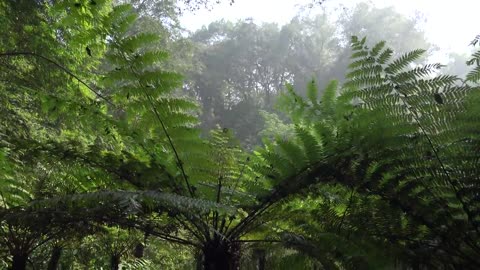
(448, 24)
(237, 58)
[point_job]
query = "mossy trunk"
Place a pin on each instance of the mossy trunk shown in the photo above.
(220, 255)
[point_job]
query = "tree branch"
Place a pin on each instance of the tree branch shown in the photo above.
(64, 69)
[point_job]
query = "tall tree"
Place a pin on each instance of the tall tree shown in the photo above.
(50, 46)
(242, 66)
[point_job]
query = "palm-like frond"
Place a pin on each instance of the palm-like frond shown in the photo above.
(474, 75)
(404, 134)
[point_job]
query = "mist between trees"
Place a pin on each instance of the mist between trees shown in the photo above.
(330, 142)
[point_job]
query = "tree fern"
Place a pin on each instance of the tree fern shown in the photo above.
(398, 129)
(122, 149)
(474, 75)
(432, 120)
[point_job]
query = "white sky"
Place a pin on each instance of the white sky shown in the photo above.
(449, 24)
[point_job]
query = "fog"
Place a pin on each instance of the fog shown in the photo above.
(239, 134)
(322, 31)
(449, 25)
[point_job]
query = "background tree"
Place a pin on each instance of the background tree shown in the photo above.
(242, 66)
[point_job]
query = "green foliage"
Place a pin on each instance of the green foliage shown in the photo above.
(474, 75)
(241, 67)
(417, 118)
(399, 133)
(101, 152)
(135, 136)
(62, 147)
(274, 126)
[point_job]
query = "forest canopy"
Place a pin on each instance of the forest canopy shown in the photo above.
(329, 142)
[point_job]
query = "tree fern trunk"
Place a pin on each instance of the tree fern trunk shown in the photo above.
(114, 262)
(199, 260)
(261, 256)
(139, 250)
(19, 262)
(219, 255)
(55, 258)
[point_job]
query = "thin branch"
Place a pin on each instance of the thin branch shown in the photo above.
(237, 230)
(164, 128)
(350, 201)
(277, 195)
(165, 236)
(219, 189)
(173, 238)
(64, 69)
(170, 141)
(258, 240)
(442, 165)
(224, 228)
(184, 224)
(238, 180)
(252, 228)
(215, 214)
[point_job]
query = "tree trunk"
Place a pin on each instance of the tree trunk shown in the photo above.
(139, 250)
(115, 261)
(219, 255)
(19, 262)
(55, 258)
(261, 256)
(199, 260)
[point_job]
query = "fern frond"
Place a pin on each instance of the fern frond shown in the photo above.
(474, 75)
(385, 56)
(377, 48)
(312, 92)
(403, 61)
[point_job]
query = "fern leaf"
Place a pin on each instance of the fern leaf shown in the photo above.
(403, 61)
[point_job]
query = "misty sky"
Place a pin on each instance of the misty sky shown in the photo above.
(449, 24)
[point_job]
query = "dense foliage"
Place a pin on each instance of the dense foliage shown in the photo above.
(107, 162)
